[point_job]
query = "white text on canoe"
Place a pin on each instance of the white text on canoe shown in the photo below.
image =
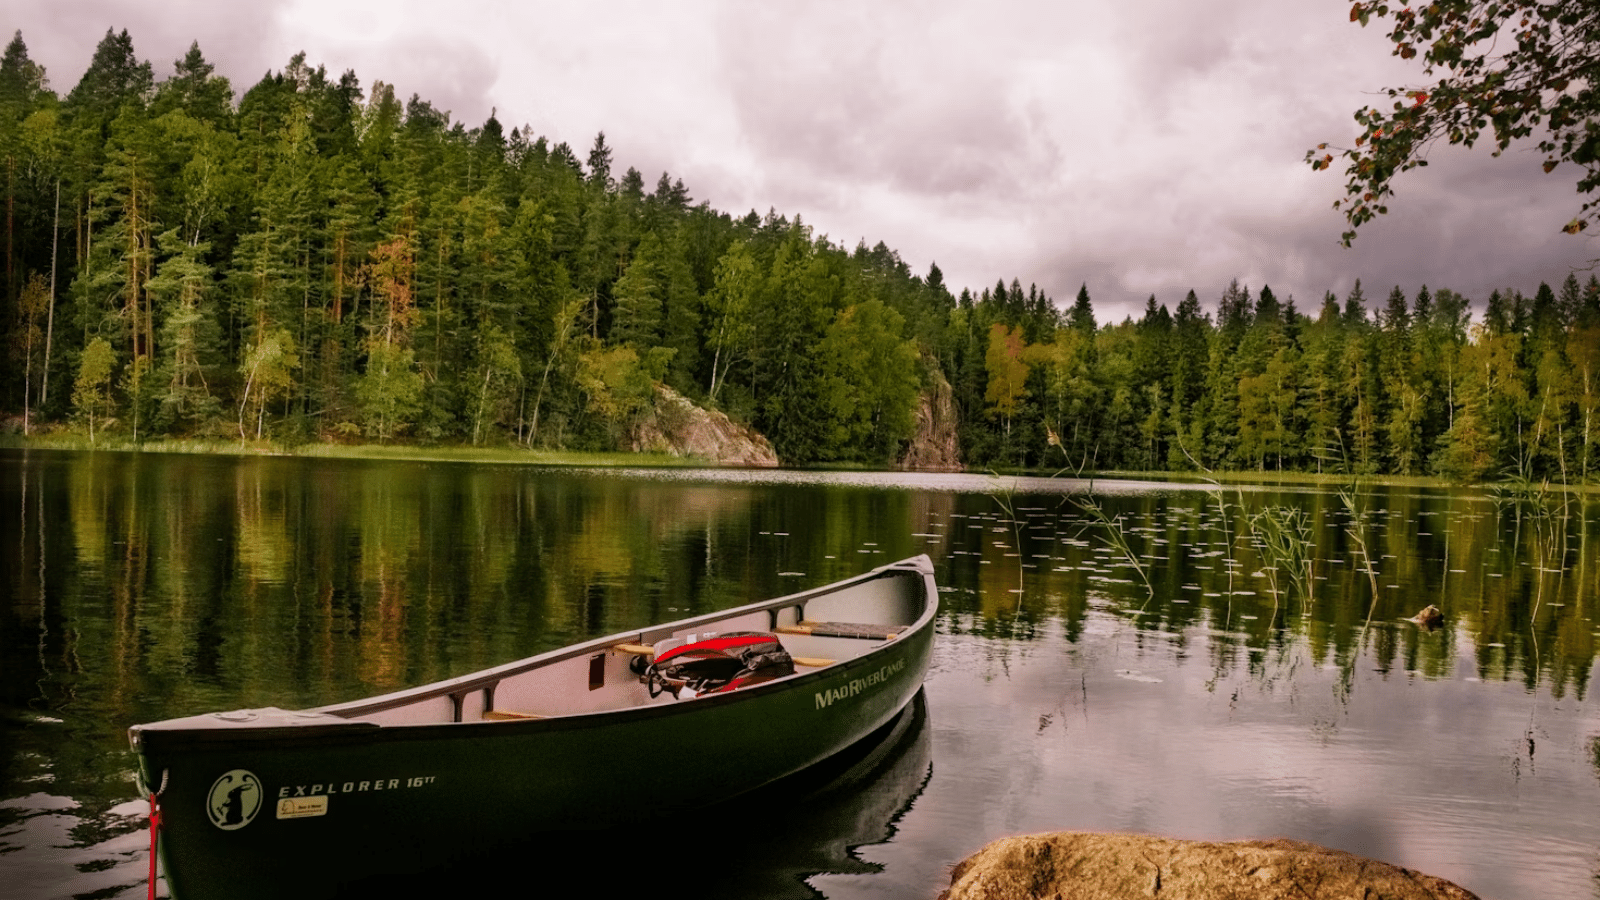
(354, 787)
(857, 685)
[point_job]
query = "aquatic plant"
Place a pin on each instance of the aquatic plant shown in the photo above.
(1283, 535)
(1357, 532)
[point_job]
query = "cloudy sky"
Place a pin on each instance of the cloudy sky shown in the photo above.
(1142, 147)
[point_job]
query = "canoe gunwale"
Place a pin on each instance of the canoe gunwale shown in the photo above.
(477, 681)
(340, 723)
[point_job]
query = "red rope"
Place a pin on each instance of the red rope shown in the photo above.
(155, 831)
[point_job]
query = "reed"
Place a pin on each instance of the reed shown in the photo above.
(1115, 538)
(1349, 496)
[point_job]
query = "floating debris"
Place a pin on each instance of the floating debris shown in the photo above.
(1428, 617)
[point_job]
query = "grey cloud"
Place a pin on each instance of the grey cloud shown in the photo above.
(455, 76)
(62, 35)
(835, 97)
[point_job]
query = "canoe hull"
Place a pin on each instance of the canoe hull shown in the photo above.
(265, 811)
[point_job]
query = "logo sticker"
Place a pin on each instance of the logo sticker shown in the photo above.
(303, 807)
(234, 799)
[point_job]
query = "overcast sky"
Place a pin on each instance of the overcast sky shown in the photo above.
(1142, 146)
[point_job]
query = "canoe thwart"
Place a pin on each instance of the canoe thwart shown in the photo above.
(812, 662)
(635, 649)
(845, 630)
(506, 715)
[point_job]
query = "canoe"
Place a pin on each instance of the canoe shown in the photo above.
(272, 803)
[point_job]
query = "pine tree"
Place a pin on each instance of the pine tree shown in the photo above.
(636, 314)
(189, 335)
(1082, 316)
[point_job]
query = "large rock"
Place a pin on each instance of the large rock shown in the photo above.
(678, 427)
(934, 447)
(1089, 866)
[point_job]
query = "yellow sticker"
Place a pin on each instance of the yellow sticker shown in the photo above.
(302, 807)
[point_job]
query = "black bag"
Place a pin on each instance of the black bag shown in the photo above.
(719, 664)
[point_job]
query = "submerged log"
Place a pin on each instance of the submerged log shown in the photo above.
(1091, 866)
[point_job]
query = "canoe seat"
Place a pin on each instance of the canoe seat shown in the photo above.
(845, 630)
(506, 715)
(813, 662)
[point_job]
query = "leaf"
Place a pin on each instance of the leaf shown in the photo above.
(1575, 226)
(1549, 164)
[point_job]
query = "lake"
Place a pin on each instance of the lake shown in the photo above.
(1116, 655)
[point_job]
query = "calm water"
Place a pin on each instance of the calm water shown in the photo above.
(1226, 699)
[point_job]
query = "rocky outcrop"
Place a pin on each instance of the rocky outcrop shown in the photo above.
(934, 447)
(1089, 866)
(677, 427)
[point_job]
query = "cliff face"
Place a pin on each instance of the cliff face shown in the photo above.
(678, 427)
(934, 447)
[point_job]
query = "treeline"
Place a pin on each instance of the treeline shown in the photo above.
(316, 261)
(1411, 387)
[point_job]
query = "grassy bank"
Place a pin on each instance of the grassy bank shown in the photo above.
(438, 453)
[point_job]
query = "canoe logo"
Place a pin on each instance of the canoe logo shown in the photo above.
(234, 799)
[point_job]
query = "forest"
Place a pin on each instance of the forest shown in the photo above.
(317, 261)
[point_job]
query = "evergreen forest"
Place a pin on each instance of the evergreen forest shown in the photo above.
(314, 260)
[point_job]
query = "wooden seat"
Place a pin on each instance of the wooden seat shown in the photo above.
(506, 715)
(812, 662)
(845, 630)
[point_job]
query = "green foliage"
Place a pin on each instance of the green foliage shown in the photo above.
(1008, 372)
(91, 392)
(616, 383)
(869, 379)
(268, 372)
(1516, 69)
(389, 391)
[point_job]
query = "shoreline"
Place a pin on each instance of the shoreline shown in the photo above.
(509, 455)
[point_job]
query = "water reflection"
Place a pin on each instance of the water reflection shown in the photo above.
(142, 587)
(774, 843)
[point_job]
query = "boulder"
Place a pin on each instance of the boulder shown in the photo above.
(678, 427)
(1093, 866)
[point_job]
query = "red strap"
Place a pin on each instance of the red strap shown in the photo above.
(718, 645)
(155, 831)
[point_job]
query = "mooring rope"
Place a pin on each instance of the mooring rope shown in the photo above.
(155, 828)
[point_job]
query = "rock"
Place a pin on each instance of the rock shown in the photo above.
(1092, 866)
(677, 427)
(934, 447)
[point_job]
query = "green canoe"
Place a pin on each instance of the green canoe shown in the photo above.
(275, 803)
